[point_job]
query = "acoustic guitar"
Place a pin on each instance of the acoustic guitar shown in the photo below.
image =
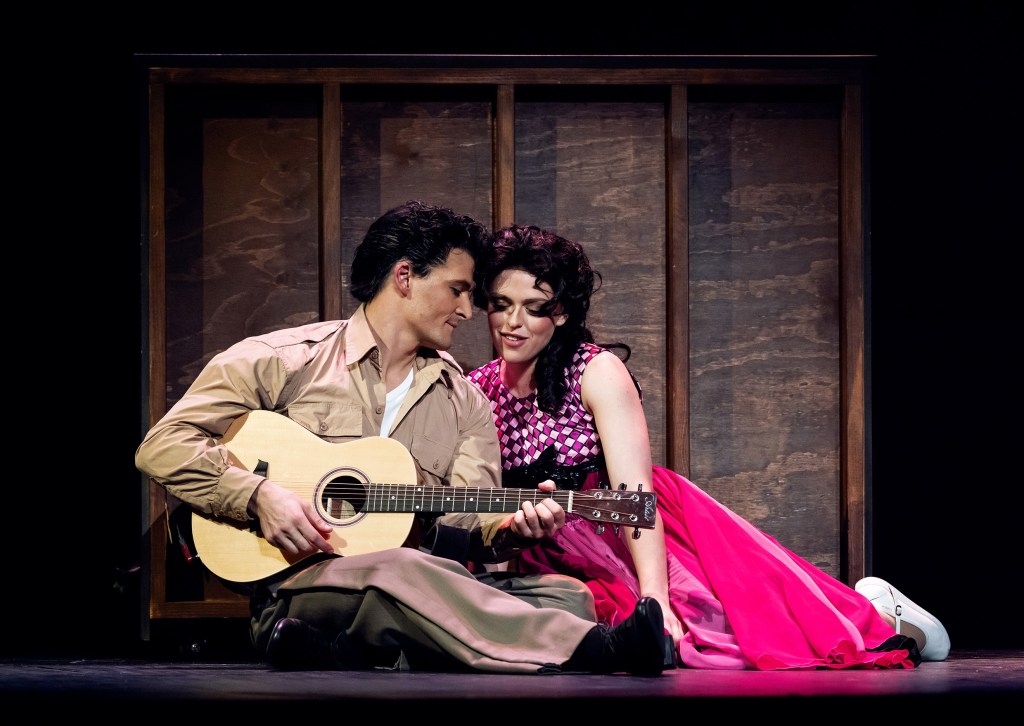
(366, 490)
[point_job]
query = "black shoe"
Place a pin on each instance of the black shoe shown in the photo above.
(669, 654)
(637, 644)
(295, 645)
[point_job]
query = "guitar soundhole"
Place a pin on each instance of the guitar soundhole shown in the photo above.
(343, 498)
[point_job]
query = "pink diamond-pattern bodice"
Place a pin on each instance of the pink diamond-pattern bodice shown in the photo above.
(524, 431)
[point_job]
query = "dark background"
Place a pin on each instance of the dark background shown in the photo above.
(942, 330)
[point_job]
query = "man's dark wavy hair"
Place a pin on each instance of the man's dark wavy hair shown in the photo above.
(421, 233)
(564, 266)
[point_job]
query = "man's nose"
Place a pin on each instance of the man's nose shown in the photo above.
(465, 308)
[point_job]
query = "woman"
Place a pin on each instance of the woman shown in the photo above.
(569, 414)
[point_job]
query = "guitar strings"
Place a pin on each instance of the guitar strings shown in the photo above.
(597, 505)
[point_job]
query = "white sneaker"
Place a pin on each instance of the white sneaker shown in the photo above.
(887, 599)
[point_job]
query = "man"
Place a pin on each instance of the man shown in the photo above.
(382, 373)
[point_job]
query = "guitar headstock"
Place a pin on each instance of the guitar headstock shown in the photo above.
(616, 507)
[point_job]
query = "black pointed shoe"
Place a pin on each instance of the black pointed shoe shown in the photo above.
(637, 644)
(295, 645)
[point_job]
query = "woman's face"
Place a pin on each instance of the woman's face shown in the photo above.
(520, 329)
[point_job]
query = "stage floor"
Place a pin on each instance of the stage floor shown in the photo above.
(980, 679)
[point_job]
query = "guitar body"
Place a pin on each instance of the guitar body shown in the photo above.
(304, 463)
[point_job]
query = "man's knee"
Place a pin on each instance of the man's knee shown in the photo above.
(550, 591)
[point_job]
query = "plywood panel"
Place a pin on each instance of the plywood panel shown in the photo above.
(248, 263)
(242, 231)
(764, 315)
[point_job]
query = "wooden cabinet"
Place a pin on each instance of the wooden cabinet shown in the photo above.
(723, 201)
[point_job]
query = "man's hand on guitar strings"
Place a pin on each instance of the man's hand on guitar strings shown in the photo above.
(289, 523)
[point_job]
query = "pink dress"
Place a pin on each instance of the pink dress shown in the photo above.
(745, 601)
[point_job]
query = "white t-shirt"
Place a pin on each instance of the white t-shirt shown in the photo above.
(394, 402)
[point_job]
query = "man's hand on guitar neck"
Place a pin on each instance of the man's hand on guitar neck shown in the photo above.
(289, 523)
(542, 520)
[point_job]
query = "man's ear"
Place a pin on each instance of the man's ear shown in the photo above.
(401, 273)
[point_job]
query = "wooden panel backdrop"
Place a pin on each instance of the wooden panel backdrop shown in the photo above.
(714, 212)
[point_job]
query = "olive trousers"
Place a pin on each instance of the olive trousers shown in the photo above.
(404, 609)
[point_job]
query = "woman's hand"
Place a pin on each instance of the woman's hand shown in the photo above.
(672, 624)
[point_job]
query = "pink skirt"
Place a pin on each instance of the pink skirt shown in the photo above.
(745, 601)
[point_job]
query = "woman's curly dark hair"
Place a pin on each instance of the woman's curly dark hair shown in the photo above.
(564, 266)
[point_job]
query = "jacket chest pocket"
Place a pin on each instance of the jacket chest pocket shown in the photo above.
(434, 454)
(329, 419)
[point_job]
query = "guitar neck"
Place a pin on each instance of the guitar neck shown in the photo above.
(446, 499)
(342, 499)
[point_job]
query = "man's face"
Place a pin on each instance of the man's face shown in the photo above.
(442, 300)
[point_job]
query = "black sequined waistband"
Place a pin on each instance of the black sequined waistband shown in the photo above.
(565, 477)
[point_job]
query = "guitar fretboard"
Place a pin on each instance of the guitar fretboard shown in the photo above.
(442, 499)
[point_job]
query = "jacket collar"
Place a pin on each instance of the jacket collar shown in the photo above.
(359, 343)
